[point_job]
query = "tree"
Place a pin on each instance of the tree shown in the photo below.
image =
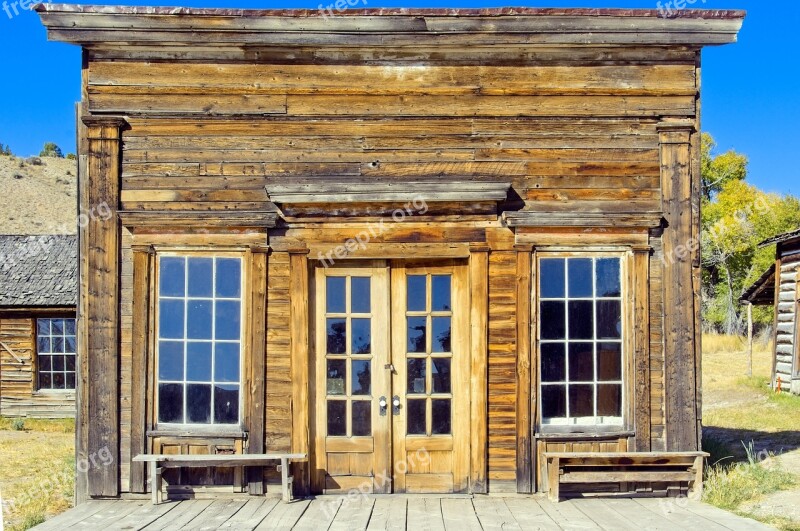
(50, 149)
(719, 169)
(5, 150)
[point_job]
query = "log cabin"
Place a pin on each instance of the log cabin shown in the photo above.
(38, 296)
(421, 247)
(779, 287)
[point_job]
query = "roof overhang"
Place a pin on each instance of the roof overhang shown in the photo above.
(89, 25)
(762, 292)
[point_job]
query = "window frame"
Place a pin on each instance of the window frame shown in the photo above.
(38, 367)
(213, 428)
(628, 376)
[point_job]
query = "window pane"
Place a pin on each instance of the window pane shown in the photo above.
(58, 362)
(70, 380)
(580, 277)
(170, 402)
(170, 319)
(581, 320)
(201, 278)
(227, 320)
(581, 362)
(553, 319)
(57, 344)
(416, 375)
(337, 374)
(440, 375)
(609, 320)
(226, 404)
(337, 425)
(57, 327)
(170, 360)
(45, 380)
(362, 377)
(43, 344)
(198, 320)
(198, 362)
(441, 334)
(360, 336)
(59, 381)
(337, 336)
(360, 295)
(554, 401)
(415, 418)
(551, 282)
(43, 327)
(226, 362)
(70, 345)
(44, 363)
(416, 293)
(171, 277)
(335, 294)
(553, 362)
(362, 418)
(609, 400)
(581, 400)
(608, 277)
(417, 327)
(229, 279)
(69, 326)
(440, 417)
(198, 403)
(609, 361)
(70, 362)
(440, 293)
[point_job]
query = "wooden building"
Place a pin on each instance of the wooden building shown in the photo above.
(779, 286)
(421, 246)
(38, 294)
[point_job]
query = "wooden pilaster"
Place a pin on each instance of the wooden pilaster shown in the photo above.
(299, 346)
(641, 342)
(525, 453)
(256, 396)
(479, 382)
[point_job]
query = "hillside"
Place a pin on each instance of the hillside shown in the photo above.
(38, 199)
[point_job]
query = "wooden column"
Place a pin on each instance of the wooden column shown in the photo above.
(525, 454)
(102, 303)
(256, 392)
(479, 381)
(298, 327)
(140, 342)
(681, 294)
(641, 342)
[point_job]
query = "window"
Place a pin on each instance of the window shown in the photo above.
(55, 349)
(581, 340)
(199, 339)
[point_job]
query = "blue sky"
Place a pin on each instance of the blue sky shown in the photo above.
(750, 93)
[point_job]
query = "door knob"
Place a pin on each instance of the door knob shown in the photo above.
(395, 405)
(383, 404)
(390, 366)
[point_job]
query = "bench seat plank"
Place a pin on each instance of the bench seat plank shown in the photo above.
(622, 477)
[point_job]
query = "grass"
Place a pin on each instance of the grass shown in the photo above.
(36, 470)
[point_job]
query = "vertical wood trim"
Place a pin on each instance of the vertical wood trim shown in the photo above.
(680, 295)
(796, 368)
(81, 378)
(479, 382)
(257, 370)
(102, 304)
(298, 326)
(140, 340)
(524, 454)
(697, 271)
(641, 338)
(776, 297)
(461, 379)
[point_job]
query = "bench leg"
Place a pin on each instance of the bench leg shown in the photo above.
(553, 477)
(697, 486)
(286, 481)
(155, 482)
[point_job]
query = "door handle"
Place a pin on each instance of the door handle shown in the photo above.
(395, 405)
(383, 405)
(390, 367)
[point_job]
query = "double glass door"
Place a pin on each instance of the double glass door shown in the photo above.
(391, 378)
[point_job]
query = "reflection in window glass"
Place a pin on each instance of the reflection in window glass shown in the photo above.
(416, 293)
(416, 417)
(55, 350)
(440, 292)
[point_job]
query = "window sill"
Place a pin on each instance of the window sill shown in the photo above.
(587, 434)
(225, 433)
(54, 392)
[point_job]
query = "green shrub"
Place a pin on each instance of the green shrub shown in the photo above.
(5, 150)
(50, 149)
(18, 425)
(71, 156)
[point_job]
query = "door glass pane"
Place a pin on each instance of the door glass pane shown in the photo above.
(580, 277)
(226, 404)
(581, 362)
(360, 332)
(337, 336)
(198, 403)
(337, 374)
(417, 338)
(440, 293)
(440, 417)
(335, 294)
(441, 334)
(337, 424)
(440, 375)
(360, 295)
(362, 377)
(416, 375)
(551, 271)
(362, 418)
(553, 362)
(416, 293)
(415, 417)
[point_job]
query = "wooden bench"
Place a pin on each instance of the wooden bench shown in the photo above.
(623, 467)
(161, 461)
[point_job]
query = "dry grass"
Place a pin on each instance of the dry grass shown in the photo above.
(36, 471)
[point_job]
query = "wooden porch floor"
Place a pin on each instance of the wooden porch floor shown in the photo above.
(414, 513)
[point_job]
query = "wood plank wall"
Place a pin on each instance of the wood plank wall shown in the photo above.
(785, 340)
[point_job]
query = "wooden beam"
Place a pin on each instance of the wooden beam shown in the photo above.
(140, 341)
(479, 381)
(641, 341)
(361, 190)
(525, 465)
(257, 370)
(538, 218)
(102, 304)
(299, 347)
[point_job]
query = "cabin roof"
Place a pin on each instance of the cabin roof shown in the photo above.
(782, 238)
(38, 271)
(762, 292)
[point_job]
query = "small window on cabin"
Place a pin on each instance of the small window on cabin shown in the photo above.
(55, 350)
(199, 343)
(580, 340)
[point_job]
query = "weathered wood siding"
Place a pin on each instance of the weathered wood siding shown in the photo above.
(786, 322)
(19, 394)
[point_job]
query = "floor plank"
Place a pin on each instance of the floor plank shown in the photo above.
(284, 516)
(388, 514)
(633, 512)
(253, 512)
(604, 516)
(354, 514)
(106, 518)
(729, 520)
(144, 515)
(319, 515)
(424, 514)
(670, 509)
(530, 515)
(494, 514)
(75, 515)
(181, 515)
(459, 514)
(567, 515)
(215, 515)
